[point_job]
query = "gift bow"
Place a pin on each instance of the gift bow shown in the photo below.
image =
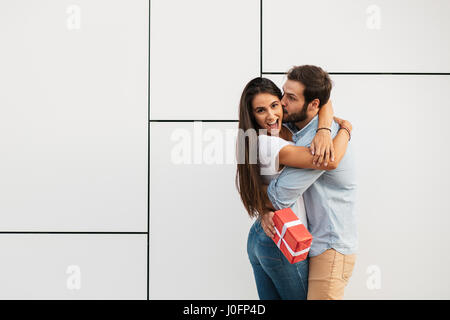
(283, 232)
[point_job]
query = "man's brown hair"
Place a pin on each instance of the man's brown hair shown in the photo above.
(317, 82)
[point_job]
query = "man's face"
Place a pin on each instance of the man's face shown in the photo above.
(293, 102)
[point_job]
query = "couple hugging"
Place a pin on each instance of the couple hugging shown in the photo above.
(304, 161)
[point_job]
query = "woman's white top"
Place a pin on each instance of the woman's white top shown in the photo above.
(268, 148)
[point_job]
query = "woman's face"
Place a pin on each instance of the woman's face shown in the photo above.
(268, 111)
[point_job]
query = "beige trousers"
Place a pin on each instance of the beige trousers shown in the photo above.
(329, 273)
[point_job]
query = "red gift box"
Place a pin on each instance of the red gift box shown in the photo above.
(292, 237)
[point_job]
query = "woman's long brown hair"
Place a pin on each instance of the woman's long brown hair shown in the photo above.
(248, 176)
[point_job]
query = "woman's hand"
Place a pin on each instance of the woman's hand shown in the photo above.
(267, 223)
(322, 148)
(344, 123)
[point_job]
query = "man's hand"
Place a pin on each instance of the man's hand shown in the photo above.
(322, 148)
(267, 224)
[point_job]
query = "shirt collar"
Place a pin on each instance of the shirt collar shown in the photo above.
(297, 133)
(291, 126)
(309, 124)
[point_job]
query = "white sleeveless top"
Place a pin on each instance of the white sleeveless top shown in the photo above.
(268, 149)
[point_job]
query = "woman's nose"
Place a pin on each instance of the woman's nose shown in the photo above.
(271, 115)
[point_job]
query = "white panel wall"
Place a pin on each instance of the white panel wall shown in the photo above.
(398, 132)
(73, 116)
(73, 148)
(403, 183)
(357, 35)
(74, 141)
(198, 226)
(75, 266)
(202, 53)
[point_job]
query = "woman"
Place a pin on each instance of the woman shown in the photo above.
(261, 110)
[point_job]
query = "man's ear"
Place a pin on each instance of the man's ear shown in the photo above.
(314, 105)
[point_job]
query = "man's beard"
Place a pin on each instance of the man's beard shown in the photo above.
(298, 116)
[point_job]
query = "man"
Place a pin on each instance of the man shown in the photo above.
(329, 196)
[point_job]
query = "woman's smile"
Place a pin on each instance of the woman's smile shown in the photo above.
(267, 111)
(274, 125)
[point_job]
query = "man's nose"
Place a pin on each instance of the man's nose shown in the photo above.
(283, 101)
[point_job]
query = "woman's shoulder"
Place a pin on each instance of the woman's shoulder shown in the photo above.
(271, 145)
(273, 139)
(267, 142)
(269, 148)
(264, 137)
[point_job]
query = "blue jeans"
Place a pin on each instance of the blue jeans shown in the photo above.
(275, 277)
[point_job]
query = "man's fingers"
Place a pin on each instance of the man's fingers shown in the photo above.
(315, 158)
(332, 153)
(318, 155)
(312, 148)
(326, 159)
(319, 162)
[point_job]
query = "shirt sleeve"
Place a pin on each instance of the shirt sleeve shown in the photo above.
(284, 190)
(269, 148)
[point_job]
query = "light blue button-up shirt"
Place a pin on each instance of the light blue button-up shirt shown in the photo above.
(329, 196)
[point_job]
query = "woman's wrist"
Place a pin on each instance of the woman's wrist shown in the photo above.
(348, 131)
